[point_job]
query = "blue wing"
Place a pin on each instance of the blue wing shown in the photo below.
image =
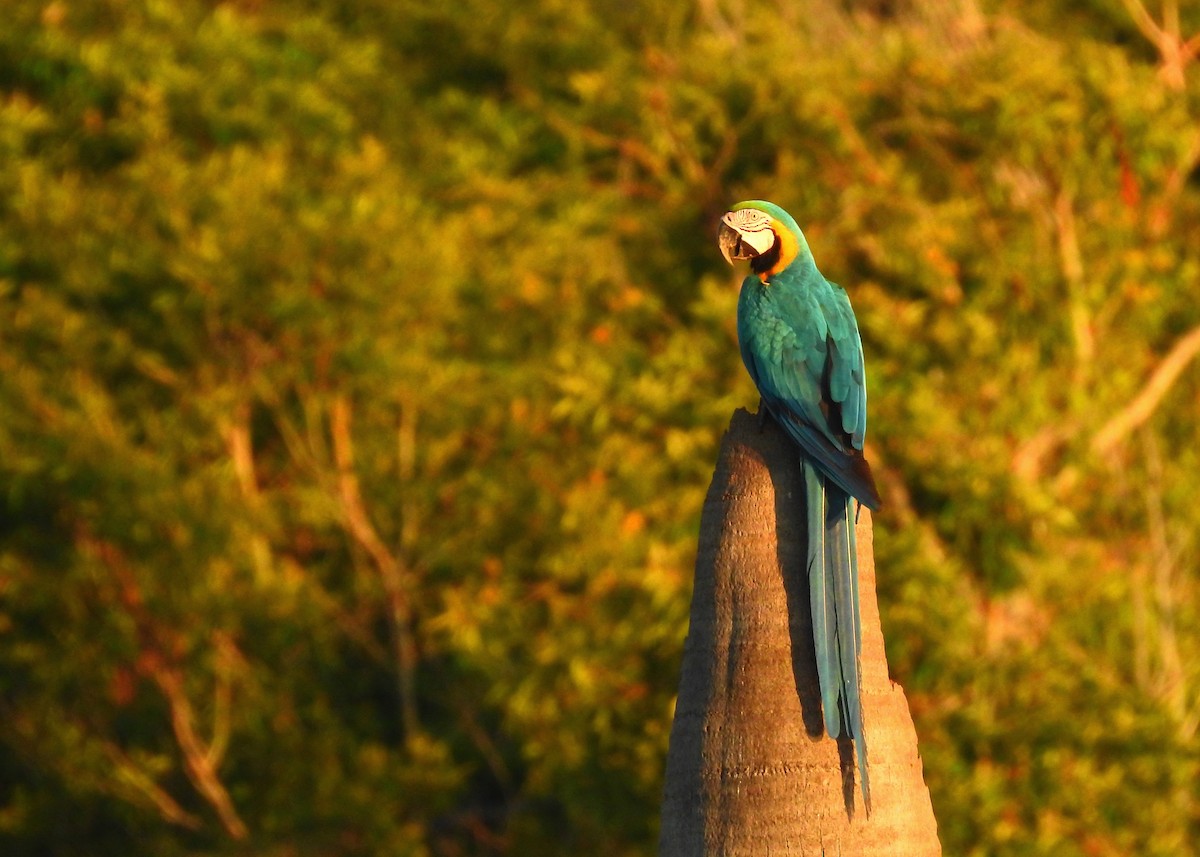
(801, 345)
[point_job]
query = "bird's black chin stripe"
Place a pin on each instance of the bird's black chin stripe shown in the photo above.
(768, 260)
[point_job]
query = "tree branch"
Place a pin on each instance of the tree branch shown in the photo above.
(1144, 404)
(143, 784)
(200, 760)
(359, 525)
(197, 757)
(1175, 53)
(1071, 260)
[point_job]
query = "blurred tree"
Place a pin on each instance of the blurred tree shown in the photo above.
(362, 367)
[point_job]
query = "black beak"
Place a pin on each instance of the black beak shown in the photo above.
(733, 248)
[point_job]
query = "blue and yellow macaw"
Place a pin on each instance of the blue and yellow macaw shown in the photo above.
(800, 343)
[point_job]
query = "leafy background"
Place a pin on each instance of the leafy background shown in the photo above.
(362, 367)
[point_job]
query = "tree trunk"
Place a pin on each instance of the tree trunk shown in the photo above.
(750, 770)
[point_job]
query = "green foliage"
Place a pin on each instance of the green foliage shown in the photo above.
(362, 369)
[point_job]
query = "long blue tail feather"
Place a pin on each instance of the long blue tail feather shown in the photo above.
(822, 598)
(833, 590)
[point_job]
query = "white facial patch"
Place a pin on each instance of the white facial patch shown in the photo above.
(753, 226)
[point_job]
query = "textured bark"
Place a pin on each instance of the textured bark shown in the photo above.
(750, 770)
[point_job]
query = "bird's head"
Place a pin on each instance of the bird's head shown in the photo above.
(763, 233)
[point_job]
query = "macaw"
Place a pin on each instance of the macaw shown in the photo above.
(800, 343)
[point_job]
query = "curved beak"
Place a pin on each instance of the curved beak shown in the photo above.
(738, 244)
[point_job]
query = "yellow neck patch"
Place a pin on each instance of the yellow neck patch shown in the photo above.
(788, 248)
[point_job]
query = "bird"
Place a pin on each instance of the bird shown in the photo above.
(800, 343)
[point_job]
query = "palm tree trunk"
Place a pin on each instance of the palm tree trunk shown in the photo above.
(750, 770)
